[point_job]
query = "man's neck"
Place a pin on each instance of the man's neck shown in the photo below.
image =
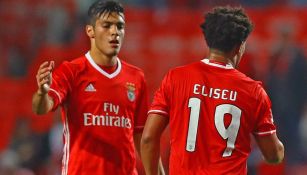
(222, 57)
(102, 59)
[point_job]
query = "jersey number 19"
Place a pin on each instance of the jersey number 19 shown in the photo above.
(230, 133)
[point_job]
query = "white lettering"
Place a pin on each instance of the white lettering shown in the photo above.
(216, 93)
(196, 86)
(233, 95)
(106, 120)
(224, 91)
(106, 106)
(109, 107)
(127, 123)
(116, 109)
(210, 94)
(203, 91)
(117, 122)
(86, 119)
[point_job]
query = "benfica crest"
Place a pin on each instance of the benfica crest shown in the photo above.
(130, 91)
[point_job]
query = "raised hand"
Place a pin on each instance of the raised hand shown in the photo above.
(44, 76)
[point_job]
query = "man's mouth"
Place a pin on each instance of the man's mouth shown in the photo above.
(114, 43)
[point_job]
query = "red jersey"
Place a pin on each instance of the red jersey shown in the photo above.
(100, 112)
(212, 110)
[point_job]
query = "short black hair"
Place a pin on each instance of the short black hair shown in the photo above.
(226, 27)
(103, 7)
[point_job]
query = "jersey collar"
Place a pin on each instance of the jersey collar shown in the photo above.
(110, 76)
(227, 66)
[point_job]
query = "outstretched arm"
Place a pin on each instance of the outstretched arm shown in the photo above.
(271, 148)
(41, 102)
(150, 144)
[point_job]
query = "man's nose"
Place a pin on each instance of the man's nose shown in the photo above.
(114, 30)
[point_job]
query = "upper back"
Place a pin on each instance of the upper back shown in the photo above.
(213, 109)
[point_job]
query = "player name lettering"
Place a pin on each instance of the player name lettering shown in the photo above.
(216, 93)
(106, 120)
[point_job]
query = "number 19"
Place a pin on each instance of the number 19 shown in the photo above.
(229, 134)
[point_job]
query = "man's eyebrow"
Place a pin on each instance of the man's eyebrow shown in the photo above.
(110, 22)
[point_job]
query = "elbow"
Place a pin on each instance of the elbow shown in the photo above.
(146, 139)
(277, 156)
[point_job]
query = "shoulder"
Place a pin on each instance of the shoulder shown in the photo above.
(256, 87)
(75, 64)
(133, 70)
(191, 66)
(185, 70)
(248, 80)
(71, 67)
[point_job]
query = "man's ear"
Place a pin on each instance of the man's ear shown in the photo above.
(242, 48)
(89, 29)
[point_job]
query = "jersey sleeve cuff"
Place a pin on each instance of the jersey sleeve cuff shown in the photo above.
(56, 98)
(161, 112)
(55, 94)
(265, 133)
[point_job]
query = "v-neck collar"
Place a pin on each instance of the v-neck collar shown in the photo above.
(110, 76)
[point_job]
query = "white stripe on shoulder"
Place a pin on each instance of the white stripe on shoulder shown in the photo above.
(56, 92)
(157, 112)
(110, 76)
(206, 61)
(265, 133)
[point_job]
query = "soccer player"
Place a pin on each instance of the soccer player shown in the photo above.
(102, 98)
(212, 108)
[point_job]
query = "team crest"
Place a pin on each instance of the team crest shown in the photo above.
(130, 91)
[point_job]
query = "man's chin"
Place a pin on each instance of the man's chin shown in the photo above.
(114, 53)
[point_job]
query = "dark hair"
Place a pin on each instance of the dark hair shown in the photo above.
(103, 7)
(226, 27)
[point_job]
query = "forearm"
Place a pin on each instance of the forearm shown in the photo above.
(41, 103)
(150, 143)
(150, 151)
(271, 147)
(137, 142)
(279, 155)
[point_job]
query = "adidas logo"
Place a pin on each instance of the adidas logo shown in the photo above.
(90, 88)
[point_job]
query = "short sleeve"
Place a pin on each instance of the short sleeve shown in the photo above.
(160, 104)
(61, 83)
(265, 123)
(142, 108)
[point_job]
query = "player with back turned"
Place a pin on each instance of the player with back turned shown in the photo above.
(103, 99)
(212, 108)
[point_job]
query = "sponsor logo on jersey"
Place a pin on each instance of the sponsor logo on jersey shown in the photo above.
(90, 88)
(130, 91)
(106, 120)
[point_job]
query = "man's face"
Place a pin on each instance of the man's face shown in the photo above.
(109, 31)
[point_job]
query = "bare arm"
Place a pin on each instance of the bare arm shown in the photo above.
(41, 102)
(137, 142)
(150, 144)
(271, 148)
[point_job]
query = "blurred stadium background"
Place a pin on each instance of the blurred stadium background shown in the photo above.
(160, 34)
